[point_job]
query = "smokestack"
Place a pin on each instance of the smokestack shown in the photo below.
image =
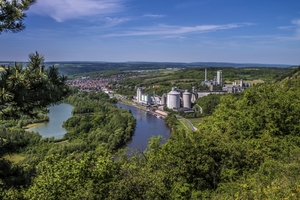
(205, 74)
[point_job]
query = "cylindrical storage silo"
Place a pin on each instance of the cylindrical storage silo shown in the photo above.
(173, 99)
(186, 99)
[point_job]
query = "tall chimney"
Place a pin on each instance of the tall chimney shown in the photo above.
(205, 74)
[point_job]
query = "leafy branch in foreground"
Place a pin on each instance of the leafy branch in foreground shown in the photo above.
(24, 90)
(12, 14)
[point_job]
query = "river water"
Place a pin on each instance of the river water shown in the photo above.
(147, 125)
(57, 115)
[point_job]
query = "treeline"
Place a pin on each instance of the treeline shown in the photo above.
(247, 149)
(266, 74)
(97, 121)
(108, 127)
(209, 103)
(24, 120)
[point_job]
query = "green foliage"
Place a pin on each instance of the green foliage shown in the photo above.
(12, 14)
(69, 178)
(247, 149)
(230, 74)
(30, 89)
(171, 121)
(209, 103)
(97, 121)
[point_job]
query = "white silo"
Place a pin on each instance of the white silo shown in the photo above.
(186, 99)
(173, 99)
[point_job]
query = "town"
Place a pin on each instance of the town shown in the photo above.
(176, 99)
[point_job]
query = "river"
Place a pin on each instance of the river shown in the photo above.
(147, 125)
(57, 115)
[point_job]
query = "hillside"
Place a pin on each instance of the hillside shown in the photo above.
(249, 148)
(253, 141)
(290, 76)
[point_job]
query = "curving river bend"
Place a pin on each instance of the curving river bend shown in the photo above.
(146, 125)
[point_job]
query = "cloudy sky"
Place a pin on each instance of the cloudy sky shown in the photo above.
(240, 31)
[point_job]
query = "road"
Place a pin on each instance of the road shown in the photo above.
(188, 122)
(199, 108)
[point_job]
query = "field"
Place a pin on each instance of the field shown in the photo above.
(195, 121)
(14, 158)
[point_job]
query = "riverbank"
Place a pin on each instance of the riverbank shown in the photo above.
(33, 125)
(53, 127)
(155, 112)
(147, 126)
(129, 103)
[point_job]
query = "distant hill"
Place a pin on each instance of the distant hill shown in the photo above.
(293, 75)
(225, 64)
(78, 67)
(70, 68)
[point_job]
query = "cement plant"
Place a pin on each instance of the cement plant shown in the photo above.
(183, 100)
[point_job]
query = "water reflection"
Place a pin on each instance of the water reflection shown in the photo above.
(147, 127)
(57, 115)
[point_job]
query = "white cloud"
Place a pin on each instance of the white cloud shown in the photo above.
(113, 21)
(153, 16)
(62, 10)
(286, 27)
(296, 22)
(176, 30)
(295, 27)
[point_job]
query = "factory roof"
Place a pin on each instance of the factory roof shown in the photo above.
(187, 92)
(174, 92)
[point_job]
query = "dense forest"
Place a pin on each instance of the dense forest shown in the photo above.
(96, 123)
(247, 149)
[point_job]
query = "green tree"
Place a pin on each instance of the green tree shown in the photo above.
(12, 14)
(68, 178)
(26, 90)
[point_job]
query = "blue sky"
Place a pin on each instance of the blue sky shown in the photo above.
(240, 31)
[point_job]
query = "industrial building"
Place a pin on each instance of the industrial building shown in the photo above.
(181, 100)
(173, 99)
(236, 87)
(163, 99)
(176, 99)
(143, 98)
(219, 77)
(226, 88)
(187, 97)
(139, 94)
(218, 80)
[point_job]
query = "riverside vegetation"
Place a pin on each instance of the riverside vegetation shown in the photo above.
(247, 149)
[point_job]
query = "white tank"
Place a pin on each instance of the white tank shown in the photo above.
(173, 99)
(186, 99)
